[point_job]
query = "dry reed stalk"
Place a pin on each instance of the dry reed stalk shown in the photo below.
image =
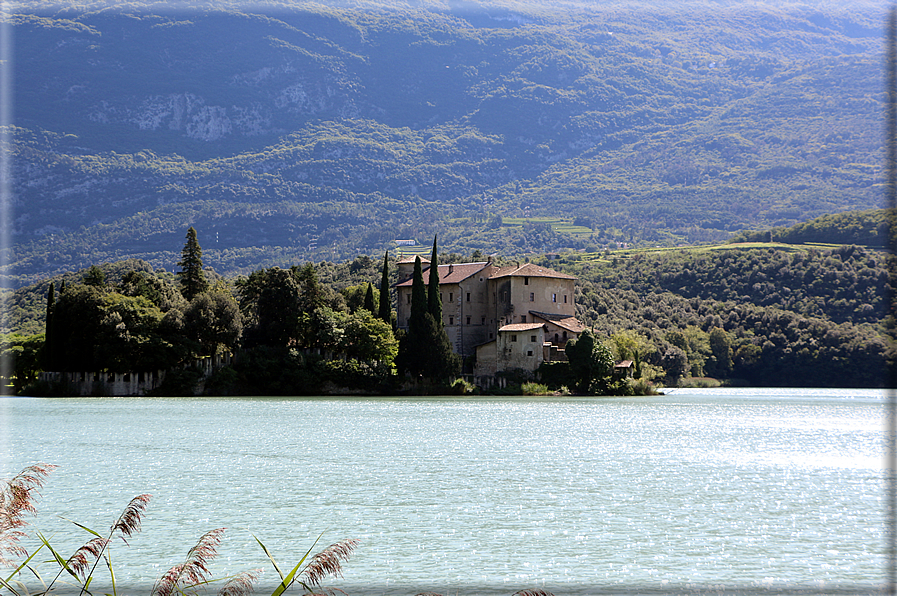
(17, 497)
(241, 584)
(87, 556)
(329, 561)
(194, 570)
(129, 521)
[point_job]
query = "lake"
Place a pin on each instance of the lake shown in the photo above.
(732, 490)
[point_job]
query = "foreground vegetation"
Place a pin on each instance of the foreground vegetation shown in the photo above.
(81, 572)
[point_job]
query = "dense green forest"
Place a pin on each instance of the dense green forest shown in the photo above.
(294, 132)
(760, 316)
(772, 314)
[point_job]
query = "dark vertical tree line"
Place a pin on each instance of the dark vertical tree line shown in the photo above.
(425, 350)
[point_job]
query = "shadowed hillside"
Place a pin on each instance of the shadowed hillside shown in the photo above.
(287, 133)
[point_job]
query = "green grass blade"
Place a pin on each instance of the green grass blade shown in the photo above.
(288, 580)
(85, 528)
(62, 562)
(108, 558)
(22, 566)
(6, 585)
(273, 562)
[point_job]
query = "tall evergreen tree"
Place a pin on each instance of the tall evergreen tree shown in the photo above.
(369, 299)
(434, 298)
(385, 312)
(418, 299)
(193, 281)
(48, 329)
(425, 350)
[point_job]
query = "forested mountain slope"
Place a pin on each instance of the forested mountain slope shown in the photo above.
(293, 131)
(785, 316)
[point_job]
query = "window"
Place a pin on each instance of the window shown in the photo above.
(451, 297)
(529, 352)
(523, 318)
(526, 281)
(554, 297)
(532, 338)
(513, 338)
(490, 335)
(483, 321)
(532, 297)
(468, 320)
(468, 297)
(451, 320)
(565, 299)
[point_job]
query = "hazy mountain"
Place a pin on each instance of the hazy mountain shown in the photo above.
(290, 131)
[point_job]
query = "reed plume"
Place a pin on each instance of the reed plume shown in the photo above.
(195, 569)
(329, 561)
(240, 584)
(126, 524)
(17, 497)
(87, 556)
(129, 521)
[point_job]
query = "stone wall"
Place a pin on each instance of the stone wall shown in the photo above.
(126, 384)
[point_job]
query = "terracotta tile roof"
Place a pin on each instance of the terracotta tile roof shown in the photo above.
(450, 274)
(521, 327)
(529, 270)
(623, 364)
(411, 260)
(564, 321)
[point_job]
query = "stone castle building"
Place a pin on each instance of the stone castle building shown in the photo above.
(511, 318)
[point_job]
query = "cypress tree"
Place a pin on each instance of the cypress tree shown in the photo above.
(425, 349)
(193, 281)
(385, 312)
(418, 299)
(48, 329)
(369, 299)
(434, 298)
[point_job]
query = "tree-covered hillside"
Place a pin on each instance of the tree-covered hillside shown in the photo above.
(300, 131)
(764, 316)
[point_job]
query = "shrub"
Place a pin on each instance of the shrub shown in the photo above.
(534, 389)
(462, 387)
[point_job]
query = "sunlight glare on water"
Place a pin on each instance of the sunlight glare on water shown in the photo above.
(740, 488)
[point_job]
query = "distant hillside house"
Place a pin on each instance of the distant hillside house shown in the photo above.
(512, 317)
(406, 242)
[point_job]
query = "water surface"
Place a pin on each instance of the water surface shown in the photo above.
(744, 489)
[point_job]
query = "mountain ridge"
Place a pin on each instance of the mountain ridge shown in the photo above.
(324, 132)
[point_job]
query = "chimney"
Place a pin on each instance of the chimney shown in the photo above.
(451, 268)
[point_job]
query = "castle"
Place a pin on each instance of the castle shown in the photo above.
(511, 318)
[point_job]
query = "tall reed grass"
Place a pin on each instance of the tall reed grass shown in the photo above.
(76, 573)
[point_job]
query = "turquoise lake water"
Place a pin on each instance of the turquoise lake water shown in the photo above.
(736, 490)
